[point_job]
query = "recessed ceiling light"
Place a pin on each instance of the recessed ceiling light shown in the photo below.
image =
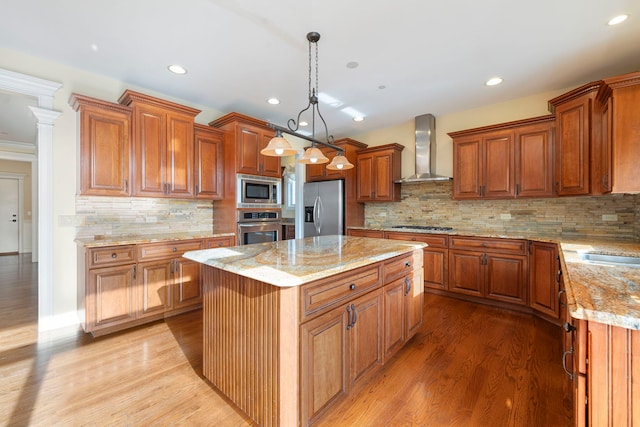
(177, 69)
(618, 19)
(382, 87)
(493, 81)
(352, 64)
(358, 119)
(94, 47)
(273, 101)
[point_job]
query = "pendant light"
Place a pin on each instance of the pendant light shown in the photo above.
(312, 155)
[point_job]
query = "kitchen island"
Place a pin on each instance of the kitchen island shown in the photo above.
(290, 326)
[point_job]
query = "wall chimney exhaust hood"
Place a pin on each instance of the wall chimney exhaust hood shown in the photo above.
(425, 152)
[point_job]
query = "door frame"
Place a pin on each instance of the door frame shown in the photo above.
(43, 91)
(20, 178)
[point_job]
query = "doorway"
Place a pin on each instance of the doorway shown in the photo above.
(9, 218)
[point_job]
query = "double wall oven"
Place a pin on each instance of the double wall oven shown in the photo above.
(259, 226)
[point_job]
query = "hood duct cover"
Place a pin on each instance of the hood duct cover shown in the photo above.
(425, 151)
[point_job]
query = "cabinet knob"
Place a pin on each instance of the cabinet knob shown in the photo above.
(352, 286)
(175, 249)
(568, 327)
(114, 255)
(407, 264)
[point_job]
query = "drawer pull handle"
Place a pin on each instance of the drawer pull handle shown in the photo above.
(564, 362)
(568, 327)
(352, 286)
(114, 255)
(484, 245)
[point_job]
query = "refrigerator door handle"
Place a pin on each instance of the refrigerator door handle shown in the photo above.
(317, 212)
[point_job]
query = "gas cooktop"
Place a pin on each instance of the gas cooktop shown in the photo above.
(424, 227)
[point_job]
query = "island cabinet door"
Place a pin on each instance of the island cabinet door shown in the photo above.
(414, 300)
(394, 317)
(324, 362)
(365, 334)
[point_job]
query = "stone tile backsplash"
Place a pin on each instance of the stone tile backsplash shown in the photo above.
(132, 216)
(430, 203)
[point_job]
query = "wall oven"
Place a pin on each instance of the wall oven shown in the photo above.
(258, 190)
(259, 226)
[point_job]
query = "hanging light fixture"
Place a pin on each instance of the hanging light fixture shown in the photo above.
(312, 155)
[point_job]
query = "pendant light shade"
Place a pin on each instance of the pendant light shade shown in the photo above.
(278, 147)
(313, 156)
(340, 163)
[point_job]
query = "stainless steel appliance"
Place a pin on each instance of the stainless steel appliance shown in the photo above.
(259, 226)
(323, 208)
(262, 190)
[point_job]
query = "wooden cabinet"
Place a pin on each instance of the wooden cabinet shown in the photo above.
(576, 125)
(619, 100)
(244, 138)
(362, 232)
(435, 256)
(163, 146)
(544, 278)
(378, 168)
(105, 147)
(219, 242)
(288, 231)
(504, 161)
(488, 268)
(209, 163)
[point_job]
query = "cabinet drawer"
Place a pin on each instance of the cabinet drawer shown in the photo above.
(358, 232)
(488, 245)
(333, 290)
(167, 249)
(401, 265)
(433, 240)
(219, 242)
(113, 255)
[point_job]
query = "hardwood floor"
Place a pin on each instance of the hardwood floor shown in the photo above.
(469, 365)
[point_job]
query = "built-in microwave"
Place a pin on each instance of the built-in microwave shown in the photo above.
(258, 190)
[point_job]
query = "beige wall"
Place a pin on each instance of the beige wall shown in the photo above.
(21, 168)
(403, 133)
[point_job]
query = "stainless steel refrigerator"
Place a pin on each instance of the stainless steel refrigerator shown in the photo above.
(323, 208)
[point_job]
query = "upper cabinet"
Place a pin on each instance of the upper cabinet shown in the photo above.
(619, 101)
(378, 169)
(504, 161)
(577, 125)
(105, 147)
(248, 136)
(163, 146)
(209, 163)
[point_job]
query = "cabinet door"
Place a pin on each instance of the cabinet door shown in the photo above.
(365, 334)
(365, 182)
(435, 269)
(383, 177)
(466, 274)
(320, 172)
(394, 317)
(268, 165)
(572, 147)
(209, 166)
(186, 283)
(324, 363)
(534, 161)
(248, 144)
(179, 157)
(467, 168)
(150, 151)
(111, 298)
(154, 287)
(104, 152)
(506, 278)
(498, 165)
(414, 301)
(543, 278)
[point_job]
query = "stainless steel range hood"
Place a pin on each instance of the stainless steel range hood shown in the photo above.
(425, 152)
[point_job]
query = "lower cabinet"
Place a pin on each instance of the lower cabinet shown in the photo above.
(127, 285)
(544, 278)
(357, 334)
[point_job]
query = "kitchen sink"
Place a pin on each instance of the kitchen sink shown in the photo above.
(627, 261)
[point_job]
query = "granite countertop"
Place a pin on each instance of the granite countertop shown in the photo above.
(289, 263)
(602, 293)
(100, 241)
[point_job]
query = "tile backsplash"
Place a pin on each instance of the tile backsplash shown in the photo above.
(128, 216)
(430, 203)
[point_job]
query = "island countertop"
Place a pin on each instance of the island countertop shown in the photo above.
(287, 263)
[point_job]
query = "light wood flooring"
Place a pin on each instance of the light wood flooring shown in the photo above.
(469, 365)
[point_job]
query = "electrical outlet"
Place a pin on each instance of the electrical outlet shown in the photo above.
(610, 217)
(505, 216)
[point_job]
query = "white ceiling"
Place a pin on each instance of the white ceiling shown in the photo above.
(430, 56)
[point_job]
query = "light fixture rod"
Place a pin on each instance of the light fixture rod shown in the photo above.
(308, 138)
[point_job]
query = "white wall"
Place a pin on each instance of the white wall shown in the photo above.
(64, 155)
